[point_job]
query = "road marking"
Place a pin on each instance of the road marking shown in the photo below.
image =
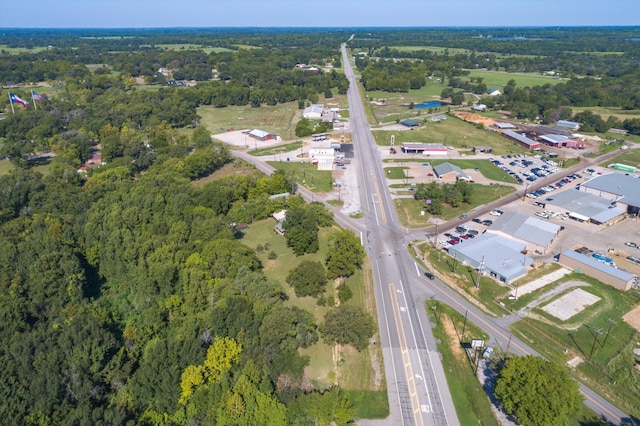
(417, 270)
(382, 213)
(406, 358)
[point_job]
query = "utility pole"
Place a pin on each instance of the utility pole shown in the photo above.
(464, 325)
(596, 333)
(479, 272)
(611, 323)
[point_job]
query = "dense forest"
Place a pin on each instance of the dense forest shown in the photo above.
(127, 294)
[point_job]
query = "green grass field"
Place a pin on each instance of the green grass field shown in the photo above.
(279, 119)
(610, 370)
(451, 132)
(497, 79)
(190, 46)
(307, 175)
(396, 173)
(276, 149)
(605, 113)
(485, 167)
(16, 50)
(630, 157)
(409, 209)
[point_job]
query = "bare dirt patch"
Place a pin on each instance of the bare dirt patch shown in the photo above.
(452, 337)
(474, 118)
(633, 318)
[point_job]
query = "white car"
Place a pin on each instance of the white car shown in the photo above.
(496, 212)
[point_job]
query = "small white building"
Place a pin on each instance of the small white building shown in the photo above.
(480, 107)
(323, 157)
(313, 112)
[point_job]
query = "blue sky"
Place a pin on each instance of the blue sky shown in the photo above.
(319, 13)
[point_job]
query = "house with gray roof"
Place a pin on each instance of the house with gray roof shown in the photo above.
(536, 234)
(449, 172)
(493, 255)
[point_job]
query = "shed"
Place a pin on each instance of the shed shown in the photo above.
(261, 135)
(521, 139)
(568, 124)
(410, 123)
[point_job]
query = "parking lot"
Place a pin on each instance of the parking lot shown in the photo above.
(616, 242)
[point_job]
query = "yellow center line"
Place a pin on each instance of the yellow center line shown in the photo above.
(383, 215)
(406, 359)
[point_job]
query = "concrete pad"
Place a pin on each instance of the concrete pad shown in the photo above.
(540, 282)
(570, 304)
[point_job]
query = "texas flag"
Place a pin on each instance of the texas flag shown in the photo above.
(15, 99)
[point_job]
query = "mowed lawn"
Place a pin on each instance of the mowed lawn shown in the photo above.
(451, 132)
(485, 167)
(497, 79)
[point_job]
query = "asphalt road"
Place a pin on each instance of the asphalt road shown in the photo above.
(417, 388)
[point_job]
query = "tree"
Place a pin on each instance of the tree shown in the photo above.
(200, 138)
(537, 392)
(301, 230)
(348, 325)
(345, 254)
(308, 278)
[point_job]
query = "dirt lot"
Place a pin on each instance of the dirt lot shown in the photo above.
(474, 118)
(633, 318)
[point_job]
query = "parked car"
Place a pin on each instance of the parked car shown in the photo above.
(487, 352)
(476, 220)
(496, 212)
(631, 244)
(463, 216)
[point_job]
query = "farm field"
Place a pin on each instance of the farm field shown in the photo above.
(605, 113)
(189, 46)
(497, 79)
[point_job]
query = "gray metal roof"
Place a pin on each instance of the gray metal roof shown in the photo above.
(314, 108)
(444, 168)
(498, 254)
(585, 204)
(553, 138)
(619, 184)
(520, 138)
(594, 263)
(505, 126)
(526, 228)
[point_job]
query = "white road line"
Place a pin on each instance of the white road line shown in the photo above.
(415, 341)
(444, 410)
(386, 320)
(417, 270)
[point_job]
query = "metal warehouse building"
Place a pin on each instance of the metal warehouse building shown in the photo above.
(536, 234)
(622, 190)
(495, 255)
(586, 207)
(616, 278)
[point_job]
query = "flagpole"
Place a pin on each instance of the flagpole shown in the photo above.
(35, 105)
(11, 102)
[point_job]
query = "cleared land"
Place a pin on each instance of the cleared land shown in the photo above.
(497, 79)
(570, 304)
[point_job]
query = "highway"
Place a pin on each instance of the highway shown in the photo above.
(417, 388)
(418, 392)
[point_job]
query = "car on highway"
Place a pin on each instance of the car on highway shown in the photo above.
(429, 275)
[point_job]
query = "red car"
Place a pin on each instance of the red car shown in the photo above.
(454, 242)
